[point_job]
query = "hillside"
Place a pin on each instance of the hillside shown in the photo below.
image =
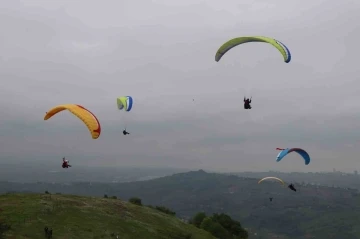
(312, 212)
(73, 217)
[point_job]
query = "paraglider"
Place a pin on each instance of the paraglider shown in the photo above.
(65, 163)
(125, 103)
(82, 113)
(286, 151)
(241, 40)
(273, 178)
(247, 102)
(291, 186)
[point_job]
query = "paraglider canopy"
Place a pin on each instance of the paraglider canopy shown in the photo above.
(125, 103)
(272, 178)
(286, 151)
(82, 113)
(241, 40)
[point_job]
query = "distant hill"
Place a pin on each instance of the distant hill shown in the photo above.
(331, 179)
(312, 212)
(74, 217)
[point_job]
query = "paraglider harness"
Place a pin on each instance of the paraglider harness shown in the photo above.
(65, 164)
(125, 132)
(291, 186)
(247, 102)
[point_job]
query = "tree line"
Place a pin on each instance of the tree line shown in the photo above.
(219, 225)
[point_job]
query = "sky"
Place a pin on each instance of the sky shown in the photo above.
(162, 53)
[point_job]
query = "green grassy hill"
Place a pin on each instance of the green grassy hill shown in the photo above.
(312, 212)
(89, 217)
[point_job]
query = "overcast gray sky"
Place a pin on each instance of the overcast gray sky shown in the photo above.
(161, 53)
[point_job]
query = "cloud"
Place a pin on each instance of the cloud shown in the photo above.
(162, 54)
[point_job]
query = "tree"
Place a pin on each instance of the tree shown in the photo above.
(214, 228)
(206, 223)
(232, 226)
(198, 218)
(220, 225)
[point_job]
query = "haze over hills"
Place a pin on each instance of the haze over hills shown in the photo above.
(332, 179)
(51, 171)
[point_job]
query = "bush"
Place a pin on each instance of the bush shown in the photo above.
(197, 219)
(165, 210)
(220, 225)
(3, 229)
(136, 201)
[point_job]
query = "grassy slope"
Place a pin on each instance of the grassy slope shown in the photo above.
(88, 217)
